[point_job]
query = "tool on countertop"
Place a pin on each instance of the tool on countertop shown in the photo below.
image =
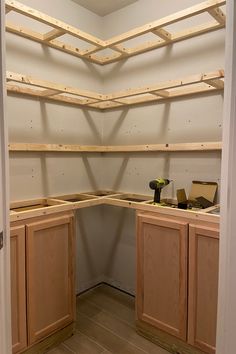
(182, 199)
(157, 185)
(205, 203)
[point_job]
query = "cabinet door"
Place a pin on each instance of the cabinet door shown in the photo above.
(50, 276)
(18, 289)
(162, 274)
(203, 287)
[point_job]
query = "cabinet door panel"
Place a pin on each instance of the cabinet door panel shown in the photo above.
(18, 289)
(203, 287)
(162, 274)
(51, 298)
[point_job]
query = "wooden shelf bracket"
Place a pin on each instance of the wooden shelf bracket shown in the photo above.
(116, 44)
(195, 84)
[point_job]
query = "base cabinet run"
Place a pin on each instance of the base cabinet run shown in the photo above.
(177, 282)
(48, 298)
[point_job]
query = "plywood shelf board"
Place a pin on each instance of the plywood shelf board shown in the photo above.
(59, 28)
(201, 146)
(194, 84)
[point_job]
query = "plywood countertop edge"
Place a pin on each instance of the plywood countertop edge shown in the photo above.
(113, 200)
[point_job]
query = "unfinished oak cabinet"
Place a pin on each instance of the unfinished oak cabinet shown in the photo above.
(18, 289)
(169, 248)
(162, 274)
(50, 275)
(42, 277)
(203, 287)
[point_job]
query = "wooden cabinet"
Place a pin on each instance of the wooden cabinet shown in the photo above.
(42, 271)
(162, 274)
(50, 276)
(203, 287)
(18, 289)
(167, 250)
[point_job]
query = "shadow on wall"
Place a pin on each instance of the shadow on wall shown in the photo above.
(164, 57)
(116, 186)
(165, 121)
(115, 130)
(97, 134)
(162, 130)
(44, 169)
(84, 238)
(73, 65)
(149, 58)
(91, 176)
(120, 174)
(93, 132)
(49, 57)
(117, 235)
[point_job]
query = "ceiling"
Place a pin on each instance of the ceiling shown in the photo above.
(104, 7)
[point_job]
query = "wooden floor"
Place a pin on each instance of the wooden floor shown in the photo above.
(105, 325)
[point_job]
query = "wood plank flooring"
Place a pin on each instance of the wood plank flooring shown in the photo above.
(106, 325)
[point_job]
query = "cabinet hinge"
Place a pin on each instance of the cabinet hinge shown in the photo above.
(1, 240)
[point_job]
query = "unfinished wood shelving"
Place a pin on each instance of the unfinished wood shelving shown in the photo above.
(203, 146)
(25, 209)
(117, 44)
(200, 83)
(191, 85)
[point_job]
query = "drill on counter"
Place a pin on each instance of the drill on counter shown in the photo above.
(157, 185)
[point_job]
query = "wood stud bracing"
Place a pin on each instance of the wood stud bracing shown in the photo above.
(195, 84)
(191, 85)
(117, 44)
(203, 146)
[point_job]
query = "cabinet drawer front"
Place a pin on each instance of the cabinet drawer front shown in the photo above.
(162, 274)
(203, 287)
(50, 280)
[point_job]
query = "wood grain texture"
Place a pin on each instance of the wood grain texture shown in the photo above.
(203, 287)
(171, 343)
(112, 302)
(116, 43)
(201, 146)
(115, 324)
(105, 324)
(162, 274)
(50, 275)
(48, 20)
(107, 338)
(79, 343)
(18, 290)
(194, 84)
(51, 341)
(125, 200)
(104, 313)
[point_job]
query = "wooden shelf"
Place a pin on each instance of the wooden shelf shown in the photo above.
(118, 43)
(195, 84)
(203, 146)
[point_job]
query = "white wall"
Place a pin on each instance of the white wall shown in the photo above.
(35, 175)
(191, 119)
(32, 120)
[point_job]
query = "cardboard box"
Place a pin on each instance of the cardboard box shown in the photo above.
(206, 190)
(202, 195)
